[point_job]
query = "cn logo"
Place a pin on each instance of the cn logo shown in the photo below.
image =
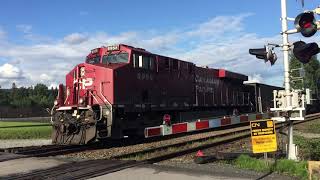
(255, 125)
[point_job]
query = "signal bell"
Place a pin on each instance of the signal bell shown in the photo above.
(306, 24)
(303, 51)
(264, 53)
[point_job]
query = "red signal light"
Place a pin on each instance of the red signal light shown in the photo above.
(306, 24)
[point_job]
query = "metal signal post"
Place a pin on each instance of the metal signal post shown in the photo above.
(291, 148)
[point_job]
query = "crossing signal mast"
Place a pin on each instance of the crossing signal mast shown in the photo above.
(290, 103)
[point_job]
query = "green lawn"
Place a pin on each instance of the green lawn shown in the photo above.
(9, 124)
(39, 132)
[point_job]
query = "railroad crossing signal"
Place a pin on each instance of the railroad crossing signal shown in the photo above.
(306, 24)
(304, 52)
(266, 53)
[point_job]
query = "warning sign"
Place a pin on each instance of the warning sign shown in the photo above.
(263, 136)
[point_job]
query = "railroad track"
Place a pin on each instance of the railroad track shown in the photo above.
(43, 151)
(94, 168)
(52, 150)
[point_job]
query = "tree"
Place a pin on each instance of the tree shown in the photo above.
(312, 74)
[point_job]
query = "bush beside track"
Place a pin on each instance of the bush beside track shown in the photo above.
(24, 130)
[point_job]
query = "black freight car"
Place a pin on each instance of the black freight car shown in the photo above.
(262, 96)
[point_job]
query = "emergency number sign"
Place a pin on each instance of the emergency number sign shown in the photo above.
(263, 136)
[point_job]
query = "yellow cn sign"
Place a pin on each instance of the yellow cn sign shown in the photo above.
(263, 136)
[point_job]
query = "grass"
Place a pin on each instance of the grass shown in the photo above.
(246, 162)
(283, 166)
(40, 132)
(309, 127)
(309, 149)
(314, 128)
(9, 124)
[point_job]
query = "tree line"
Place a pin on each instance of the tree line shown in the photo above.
(25, 97)
(309, 77)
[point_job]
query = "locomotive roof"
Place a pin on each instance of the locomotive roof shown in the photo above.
(222, 73)
(228, 74)
(261, 84)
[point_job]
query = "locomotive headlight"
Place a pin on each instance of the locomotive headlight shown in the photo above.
(55, 102)
(107, 112)
(81, 101)
(82, 72)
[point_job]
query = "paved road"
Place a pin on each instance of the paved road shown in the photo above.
(188, 172)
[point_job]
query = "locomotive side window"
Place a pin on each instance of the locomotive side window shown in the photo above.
(142, 61)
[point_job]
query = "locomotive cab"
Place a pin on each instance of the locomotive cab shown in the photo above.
(84, 111)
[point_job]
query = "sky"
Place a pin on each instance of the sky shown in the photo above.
(42, 40)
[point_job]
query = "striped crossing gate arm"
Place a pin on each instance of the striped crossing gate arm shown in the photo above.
(191, 126)
(225, 121)
(244, 118)
(179, 128)
(153, 131)
(166, 130)
(213, 123)
(204, 124)
(235, 119)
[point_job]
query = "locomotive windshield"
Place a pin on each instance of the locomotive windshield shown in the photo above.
(93, 60)
(115, 58)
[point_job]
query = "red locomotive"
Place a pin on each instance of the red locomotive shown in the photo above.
(120, 90)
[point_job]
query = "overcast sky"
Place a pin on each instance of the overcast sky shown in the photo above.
(40, 41)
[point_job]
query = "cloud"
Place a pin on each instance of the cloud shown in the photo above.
(25, 28)
(205, 43)
(75, 38)
(8, 71)
(255, 78)
(220, 25)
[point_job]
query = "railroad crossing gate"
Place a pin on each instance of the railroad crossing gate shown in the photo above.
(263, 136)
